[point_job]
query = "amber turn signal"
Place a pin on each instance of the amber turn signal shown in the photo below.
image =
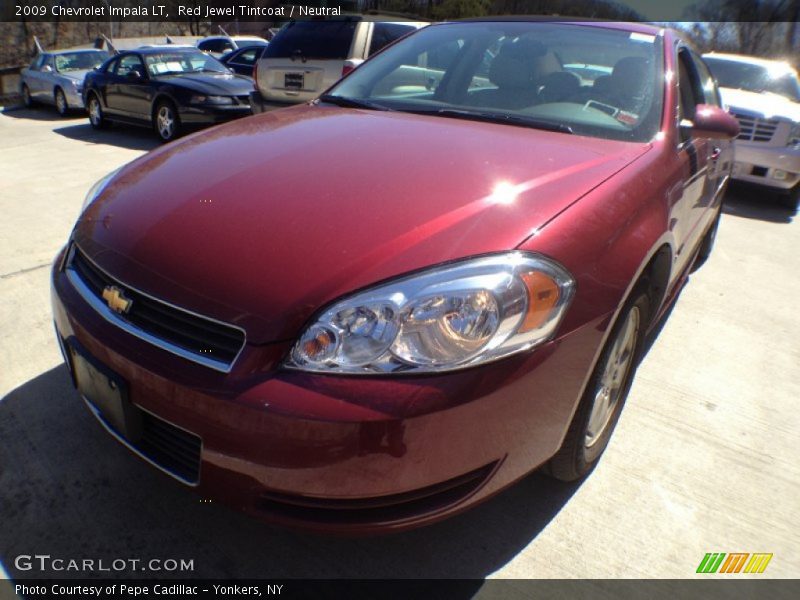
(542, 298)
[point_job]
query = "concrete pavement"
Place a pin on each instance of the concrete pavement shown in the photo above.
(704, 458)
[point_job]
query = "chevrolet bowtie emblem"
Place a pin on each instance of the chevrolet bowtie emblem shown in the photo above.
(116, 299)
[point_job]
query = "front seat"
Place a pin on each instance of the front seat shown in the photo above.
(629, 83)
(515, 72)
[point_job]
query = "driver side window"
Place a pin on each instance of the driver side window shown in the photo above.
(129, 63)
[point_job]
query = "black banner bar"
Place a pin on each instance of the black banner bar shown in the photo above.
(228, 11)
(729, 588)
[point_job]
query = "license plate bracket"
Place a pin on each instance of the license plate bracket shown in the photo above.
(107, 392)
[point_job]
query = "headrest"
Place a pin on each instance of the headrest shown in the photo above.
(631, 67)
(516, 64)
(631, 76)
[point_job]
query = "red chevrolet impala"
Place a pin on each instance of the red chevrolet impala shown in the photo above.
(377, 309)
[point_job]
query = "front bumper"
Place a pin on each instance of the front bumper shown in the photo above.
(773, 166)
(342, 454)
(208, 114)
(74, 98)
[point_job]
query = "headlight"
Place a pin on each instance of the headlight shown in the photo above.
(794, 135)
(445, 318)
(97, 189)
(200, 99)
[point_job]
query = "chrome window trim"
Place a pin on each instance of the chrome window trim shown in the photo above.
(98, 415)
(112, 317)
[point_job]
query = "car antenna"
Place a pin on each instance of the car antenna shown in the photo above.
(39, 49)
(111, 47)
(222, 31)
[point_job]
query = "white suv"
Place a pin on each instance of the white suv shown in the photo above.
(307, 57)
(764, 95)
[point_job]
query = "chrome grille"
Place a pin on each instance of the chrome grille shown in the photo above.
(203, 340)
(755, 129)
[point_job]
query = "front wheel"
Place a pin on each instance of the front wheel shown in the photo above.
(61, 102)
(605, 395)
(95, 109)
(167, 123)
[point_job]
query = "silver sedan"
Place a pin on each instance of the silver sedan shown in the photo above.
(57, 77)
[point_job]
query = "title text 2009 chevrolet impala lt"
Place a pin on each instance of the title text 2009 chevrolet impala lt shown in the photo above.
(379, 308)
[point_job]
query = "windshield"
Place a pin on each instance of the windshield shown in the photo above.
(170, 63)
(755, 78)
(565, 77)
(79, 61)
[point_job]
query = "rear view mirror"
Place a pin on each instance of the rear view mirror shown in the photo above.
(713, 122)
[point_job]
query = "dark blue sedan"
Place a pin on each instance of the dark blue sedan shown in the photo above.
(243, 60)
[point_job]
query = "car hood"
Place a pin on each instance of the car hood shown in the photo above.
(765, 105)
(225, 84)
(263, 221)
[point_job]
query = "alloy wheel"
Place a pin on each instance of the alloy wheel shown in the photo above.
(95, 113)
(611, 385)
(165, 121)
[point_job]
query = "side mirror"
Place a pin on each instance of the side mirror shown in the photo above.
(713, 122)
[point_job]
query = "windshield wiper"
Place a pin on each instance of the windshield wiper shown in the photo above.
(490, 117)
(351, 102)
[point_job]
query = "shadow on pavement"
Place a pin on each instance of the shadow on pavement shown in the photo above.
(43, 112)
(751, 202)
(132, 137)
(71, 491)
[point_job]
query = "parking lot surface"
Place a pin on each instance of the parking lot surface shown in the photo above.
(704, 458)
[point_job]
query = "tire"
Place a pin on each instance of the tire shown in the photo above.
(605, 395)
(166, 122)
(27, 99)
(95, 110)
(61, 102)
(707, 245)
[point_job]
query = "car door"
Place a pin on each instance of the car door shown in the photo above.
(40, 78)
(689, 213)
(134, 87)
(127, 87)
